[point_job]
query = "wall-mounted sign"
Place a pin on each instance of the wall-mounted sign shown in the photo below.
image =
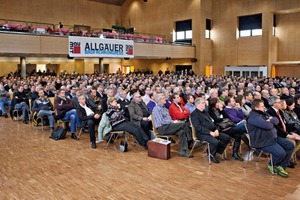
(97, 47)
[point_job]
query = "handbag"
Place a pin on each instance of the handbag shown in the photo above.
(226, 124)
(58, 133)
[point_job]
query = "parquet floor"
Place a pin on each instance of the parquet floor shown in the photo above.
(36, 167)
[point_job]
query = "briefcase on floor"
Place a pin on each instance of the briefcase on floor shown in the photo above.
(159, 149)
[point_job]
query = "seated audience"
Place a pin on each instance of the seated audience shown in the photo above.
(215, 112)
(152, 102)
(206, 130)
(234, 112)
(119, 123)
(190, 103)
(88, 117)
(166, 126)
(139, 113)
(4, 101)
(44, 107)
(177, 110)
(263, 136)
(20, 102)
(66, 111)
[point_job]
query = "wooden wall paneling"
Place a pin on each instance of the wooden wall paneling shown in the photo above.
(183, 52)
(250, 51)
(54, 45)
(143, 49)
(12, 43)
(79, 65)
(288, 70)
(97, 15)
(288, 35)
(162, 51)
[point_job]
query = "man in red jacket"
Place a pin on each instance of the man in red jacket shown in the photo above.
(178, 111)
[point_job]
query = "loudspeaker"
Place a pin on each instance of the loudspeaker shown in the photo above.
(194, 60)
(145, 1)
(69, 57)
(126, 58)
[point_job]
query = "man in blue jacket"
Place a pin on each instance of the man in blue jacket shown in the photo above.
(263, 136)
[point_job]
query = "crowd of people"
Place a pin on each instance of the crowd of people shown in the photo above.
(264, 110)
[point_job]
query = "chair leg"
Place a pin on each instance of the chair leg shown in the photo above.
(192, 149)
(110, 138)
(259, 156)
(208, 149)
(271, 159)
(80, 132)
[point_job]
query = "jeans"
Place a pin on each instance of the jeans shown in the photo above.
(281, 151)
(4, 102)
(47, 113)
(74, 119)
(25, 109)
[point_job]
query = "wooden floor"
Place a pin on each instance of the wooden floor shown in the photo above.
(36, 167)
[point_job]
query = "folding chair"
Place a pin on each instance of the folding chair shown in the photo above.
(114, 135)
(252, 150)
(196, 141)
(156, 134)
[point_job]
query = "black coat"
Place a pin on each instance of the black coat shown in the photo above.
(279, 127)
(202, 122)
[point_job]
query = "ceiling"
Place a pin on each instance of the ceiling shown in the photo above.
(112, 2)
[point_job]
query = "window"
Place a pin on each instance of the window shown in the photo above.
(184, 31)
(208, 29)
(250, 25)
(274, 25)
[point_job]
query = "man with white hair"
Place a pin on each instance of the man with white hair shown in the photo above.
(88, 117)
(166, 126)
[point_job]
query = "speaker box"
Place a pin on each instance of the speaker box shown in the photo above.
(194, 60)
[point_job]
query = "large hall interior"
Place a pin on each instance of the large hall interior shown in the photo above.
(221, 42)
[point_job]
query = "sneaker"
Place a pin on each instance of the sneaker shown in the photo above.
(281, 171)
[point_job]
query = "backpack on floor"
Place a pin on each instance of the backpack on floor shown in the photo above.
(58, 133)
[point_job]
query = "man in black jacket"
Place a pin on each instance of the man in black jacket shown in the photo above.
(20, 102)
(206, 130)
(263, 136)
(88, 117)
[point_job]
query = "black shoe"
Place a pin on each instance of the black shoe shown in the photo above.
(5, 115)
(292, 162)
(93, 145)
(214, 159)
(25, 122)
(172, 140)
(74, 136)
(237, 157)
(291, 165)
(85, 130)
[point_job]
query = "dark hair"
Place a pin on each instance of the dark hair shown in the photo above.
(297, 97)
(255, 103)
(239, 99)
(212, 103)
(289, 101)
(227, 100)
(174, 94)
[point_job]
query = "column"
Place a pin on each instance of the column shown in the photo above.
(101, 66)
(23, 67)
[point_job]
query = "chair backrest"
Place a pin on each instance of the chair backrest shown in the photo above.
(155, 133)
(247, 132)
(193, 130)
(51, 99)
